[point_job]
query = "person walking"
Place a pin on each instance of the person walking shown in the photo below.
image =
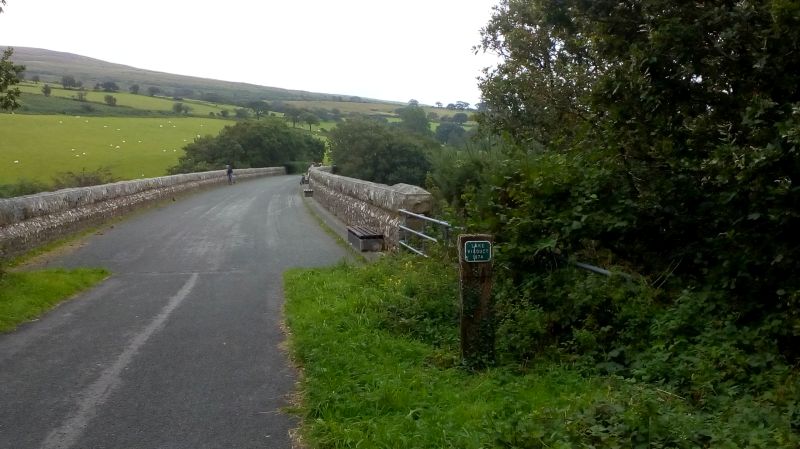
(229, 172)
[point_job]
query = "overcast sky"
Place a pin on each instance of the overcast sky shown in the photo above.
(384, 49)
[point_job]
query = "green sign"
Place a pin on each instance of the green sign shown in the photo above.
(478, 251)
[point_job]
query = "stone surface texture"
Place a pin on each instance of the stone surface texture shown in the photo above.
(32, 220)
(364, 203)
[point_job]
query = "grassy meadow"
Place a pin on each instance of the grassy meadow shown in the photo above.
(124, 99)
(36, 147)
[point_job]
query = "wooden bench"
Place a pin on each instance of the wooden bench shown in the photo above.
(364, 238)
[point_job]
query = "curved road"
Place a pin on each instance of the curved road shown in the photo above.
(179, 348)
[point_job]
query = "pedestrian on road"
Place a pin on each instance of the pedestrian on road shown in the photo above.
(229, 172)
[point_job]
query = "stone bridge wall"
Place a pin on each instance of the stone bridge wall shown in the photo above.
(31, 220)
(358, 202)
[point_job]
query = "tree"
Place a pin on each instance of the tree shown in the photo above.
(414, 119)
(262, 143)
(68, 82)
(292, 114)
(462, 105)
(309, 118)
(35, 78)
(460, 118)
(110, 100)
(109, 86)
(241, 113)
(46, 90)
(153, 91)
(438, 104)
(259, 108)
(9, 76)
(180, 108)
(134, 89)
(450, 133)
(671, 130)
(81, 94)
(413, 102)
(369, 150)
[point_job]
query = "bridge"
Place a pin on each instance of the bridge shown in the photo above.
(181, 346)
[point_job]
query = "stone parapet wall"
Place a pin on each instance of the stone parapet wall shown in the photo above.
(365, 203)
(31, 220)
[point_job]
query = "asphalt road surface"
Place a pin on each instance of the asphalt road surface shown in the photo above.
(179, 348)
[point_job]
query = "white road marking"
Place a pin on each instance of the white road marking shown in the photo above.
(65, 436)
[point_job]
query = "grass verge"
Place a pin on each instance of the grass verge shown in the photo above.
(26, 295)
(378, 346)
(368, 385)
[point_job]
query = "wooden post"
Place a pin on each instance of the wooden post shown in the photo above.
(477, 321)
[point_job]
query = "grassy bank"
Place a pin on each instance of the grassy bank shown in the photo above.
(378, 346)
(26, 295)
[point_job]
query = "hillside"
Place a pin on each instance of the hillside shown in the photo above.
(51, 66)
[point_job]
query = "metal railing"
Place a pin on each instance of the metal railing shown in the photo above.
(409, 237)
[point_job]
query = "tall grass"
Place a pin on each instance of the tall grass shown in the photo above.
(379, 351)
(369, 384)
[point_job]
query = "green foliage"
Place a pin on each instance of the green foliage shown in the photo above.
(657, 136)
(414, 119)
(451, 134)
(9, 76)
(61, 180)
(263, 143)
(456, 171)
(425, 306)
(22, 187)
(378, 349)
(84, 178)
(369, 150)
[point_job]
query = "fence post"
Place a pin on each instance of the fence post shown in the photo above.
(475, 287)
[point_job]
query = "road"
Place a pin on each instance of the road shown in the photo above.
(179, 348)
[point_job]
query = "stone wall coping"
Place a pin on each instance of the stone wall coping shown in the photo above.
(392, 198)
(17, 209)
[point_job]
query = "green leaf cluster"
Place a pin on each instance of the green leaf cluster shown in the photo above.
(367, 149)
(262, 143)
(656, 136)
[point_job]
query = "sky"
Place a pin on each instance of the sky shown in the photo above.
(383, 49)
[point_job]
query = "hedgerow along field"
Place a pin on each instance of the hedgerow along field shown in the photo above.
(124, 99)
(37, 147)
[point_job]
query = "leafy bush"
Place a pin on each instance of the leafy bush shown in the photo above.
(83, 178)
(22, 187)
(262, 143)
(369, 150)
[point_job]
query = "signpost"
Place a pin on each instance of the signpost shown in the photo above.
(477, 321)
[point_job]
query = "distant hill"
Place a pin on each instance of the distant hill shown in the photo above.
(51, 66)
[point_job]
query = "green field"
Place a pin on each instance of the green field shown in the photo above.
(124, 99)
(36, 147)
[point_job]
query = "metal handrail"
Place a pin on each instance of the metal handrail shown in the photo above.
(418, 233)
(405, 230)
